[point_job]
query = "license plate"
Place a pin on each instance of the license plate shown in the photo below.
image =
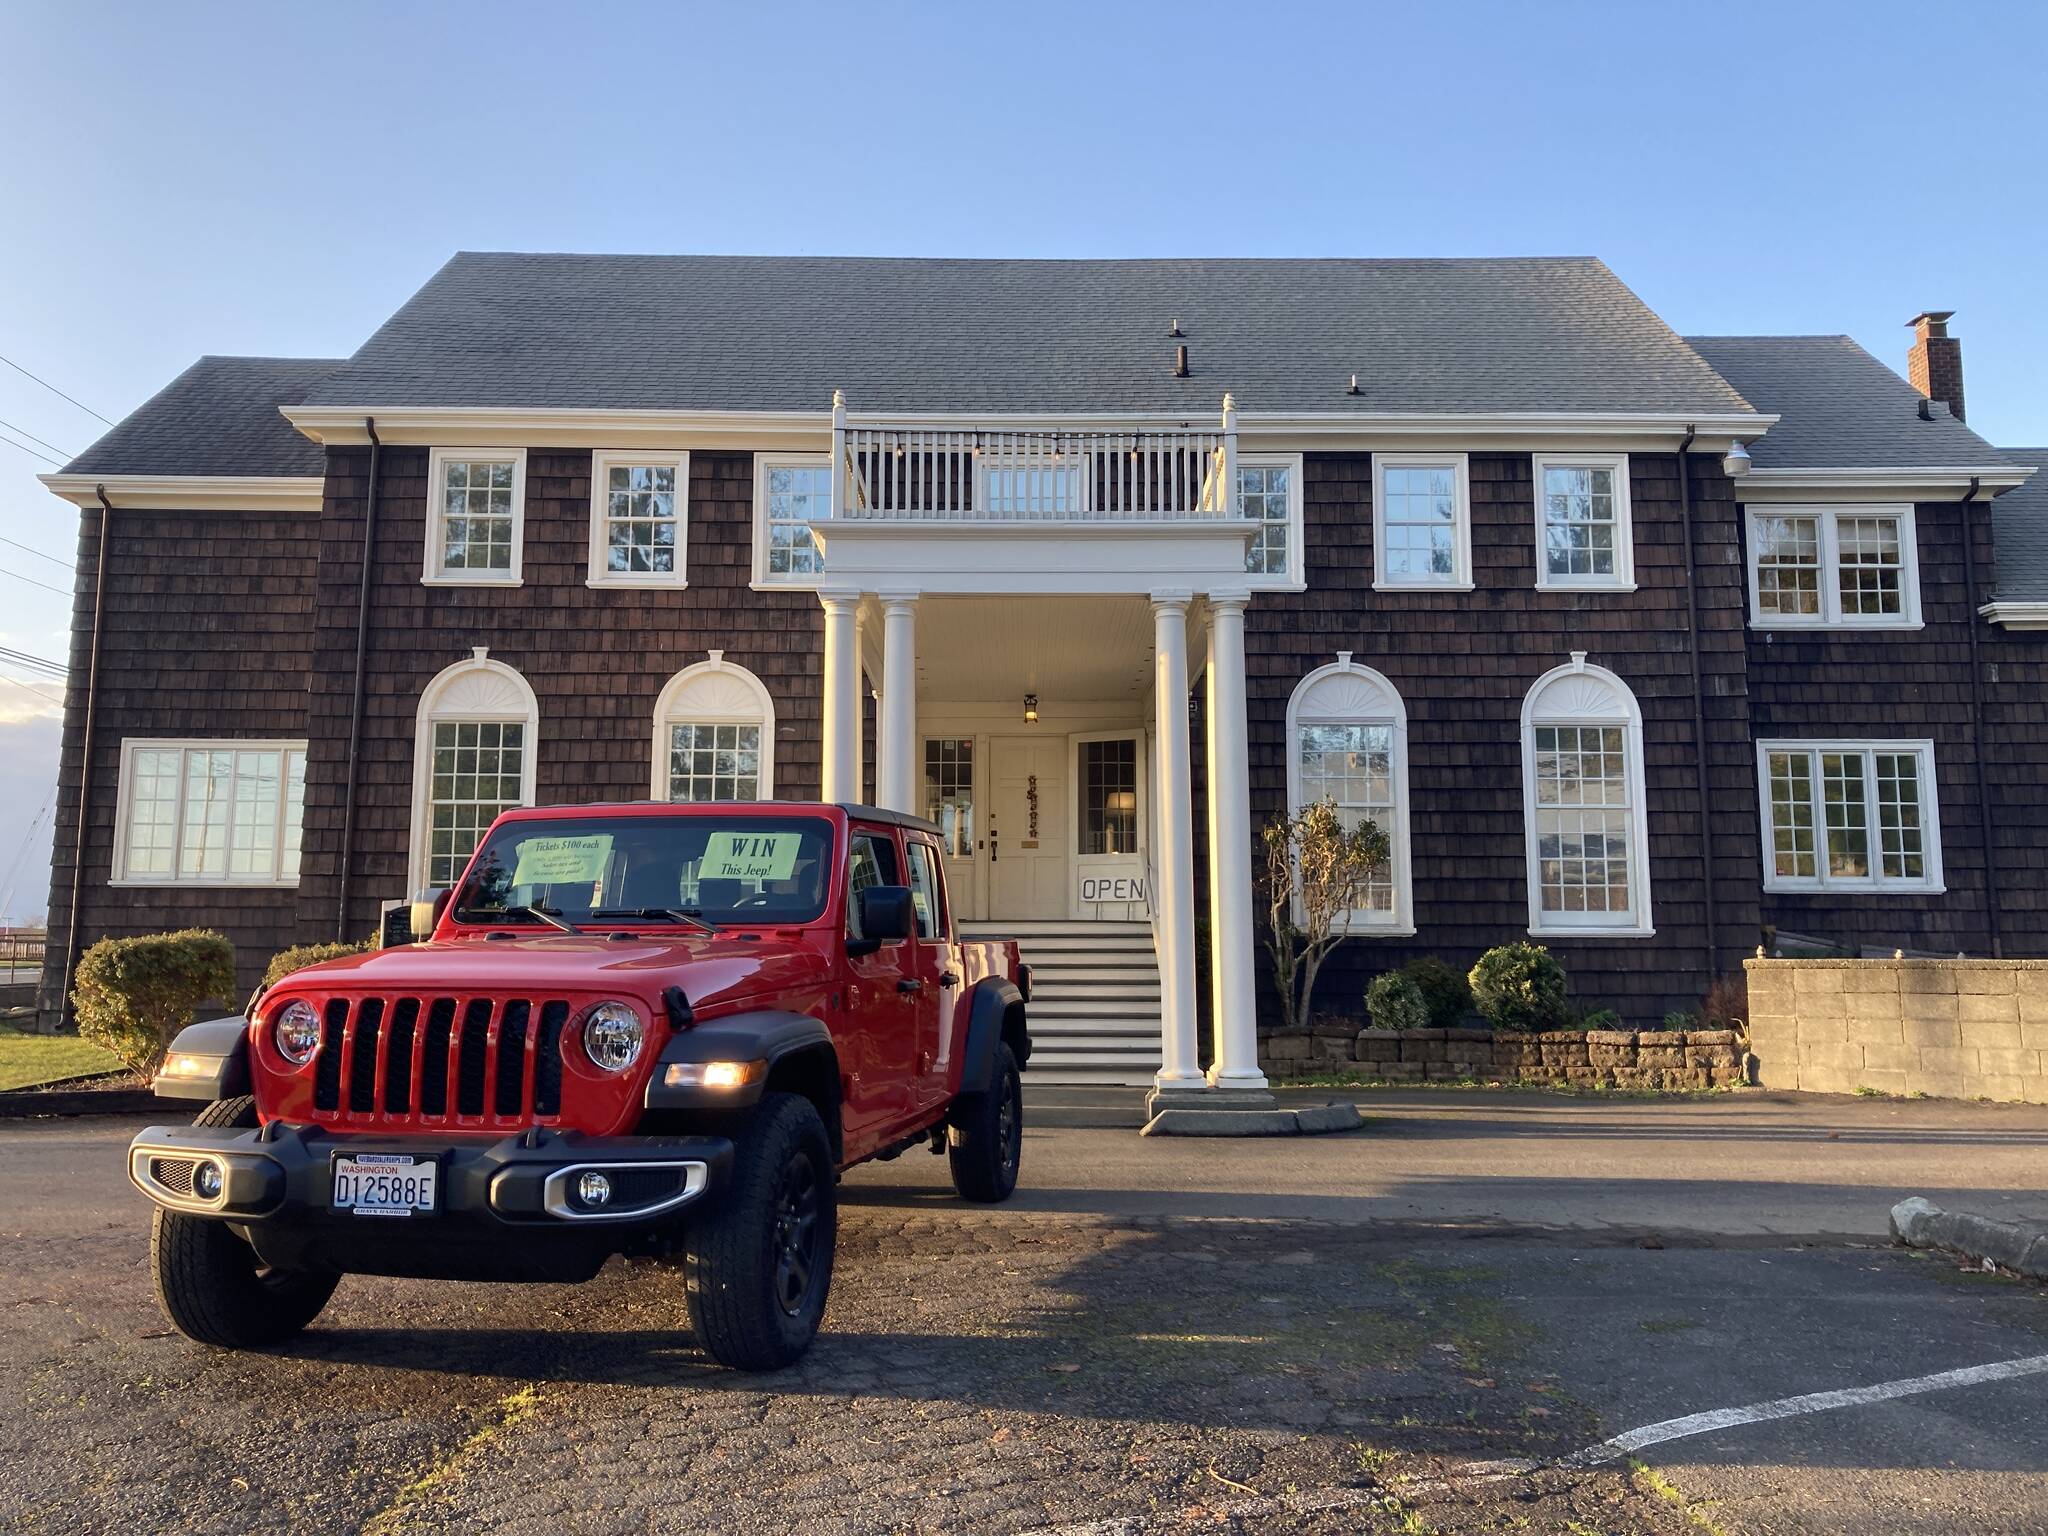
(385, 1184)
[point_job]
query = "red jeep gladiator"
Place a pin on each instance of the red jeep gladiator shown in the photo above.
(651, 1030)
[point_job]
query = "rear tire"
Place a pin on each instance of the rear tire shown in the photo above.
(758, 1265)
(210, 1283)
(985, 1141)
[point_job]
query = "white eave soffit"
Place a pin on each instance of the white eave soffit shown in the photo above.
(191, 493)
(1937, 483)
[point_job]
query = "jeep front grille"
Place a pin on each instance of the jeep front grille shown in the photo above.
(440, 1059)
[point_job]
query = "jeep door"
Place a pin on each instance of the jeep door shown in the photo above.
(878, 1046)
(935, 966)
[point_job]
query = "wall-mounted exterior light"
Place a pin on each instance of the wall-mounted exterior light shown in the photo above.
(1031, 709)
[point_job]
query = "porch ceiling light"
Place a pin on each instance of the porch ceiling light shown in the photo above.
(1031, 709)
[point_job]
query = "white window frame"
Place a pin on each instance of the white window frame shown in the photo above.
(477, 691)
(433, 574)
(1346, 693)
(1931, 882)
(174, 880)
(713, 692)
(1294, 577)
(763, 463)
(1831, 615)
(602, 462)
(1460, 579)
(1624, 577)
(1577, 694)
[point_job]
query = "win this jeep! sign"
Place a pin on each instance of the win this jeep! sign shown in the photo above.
(756, 856)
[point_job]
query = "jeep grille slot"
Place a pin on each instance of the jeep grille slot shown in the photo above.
(473, 1057)
(327, 1070)
(434, 1058)
(511, 1090)
(398, 1057)
(547, 1066)
(362, 1082)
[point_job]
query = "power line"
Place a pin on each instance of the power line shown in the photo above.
(34, 453)
(26, 658)
(33, 582)
(25, 549)
(48, 698)
(44, 442)
(53, 389)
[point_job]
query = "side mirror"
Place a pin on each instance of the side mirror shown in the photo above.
(885, 917)
(427, 908)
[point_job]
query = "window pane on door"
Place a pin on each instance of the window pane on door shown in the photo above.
(949, 791)
(1109, 796)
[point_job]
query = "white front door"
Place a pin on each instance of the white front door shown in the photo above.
(1027, 827)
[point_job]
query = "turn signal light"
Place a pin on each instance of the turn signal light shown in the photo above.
(714, 1074)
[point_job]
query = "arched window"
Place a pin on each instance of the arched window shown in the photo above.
(1347, 734)
(473, 756)
(714, 735)
(1582, 798)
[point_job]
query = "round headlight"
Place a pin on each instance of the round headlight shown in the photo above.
(612, 1036)
(296, 1029)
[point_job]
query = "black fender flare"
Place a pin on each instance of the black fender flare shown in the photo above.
(760, 1034)
(988, 1003)
(208, 1061)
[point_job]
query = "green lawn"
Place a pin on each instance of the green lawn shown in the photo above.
(27, 1059)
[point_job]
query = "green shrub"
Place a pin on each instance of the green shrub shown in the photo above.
(133, 995)
(1444, 990)
(1395, 1002)
(1602, 1018)
(299, 956)
(1680, 1018)
(1520, 986)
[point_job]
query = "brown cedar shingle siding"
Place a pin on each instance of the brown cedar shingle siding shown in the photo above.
(596, 660)
(1463, 663)
(1912, 684)
(2016, 746)
(206, 634)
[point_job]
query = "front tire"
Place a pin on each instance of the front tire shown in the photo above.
(210, 1283)
(985, 1142)
(758, 1266)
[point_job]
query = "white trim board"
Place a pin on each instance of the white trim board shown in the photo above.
(191, 493)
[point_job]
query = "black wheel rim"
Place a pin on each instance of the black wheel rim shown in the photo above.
(1010, 1126)
(797, 1209)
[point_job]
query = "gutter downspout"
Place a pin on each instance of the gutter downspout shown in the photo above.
(355, 717)
(1699, 709)
(1977, 726)
(92, 697)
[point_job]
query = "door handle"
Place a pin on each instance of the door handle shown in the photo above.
(948, 979)
(909, 984)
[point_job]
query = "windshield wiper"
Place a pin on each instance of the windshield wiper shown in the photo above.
(691, 915)
(548, 915)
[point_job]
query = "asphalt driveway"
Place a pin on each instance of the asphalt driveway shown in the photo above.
(1345, 1334)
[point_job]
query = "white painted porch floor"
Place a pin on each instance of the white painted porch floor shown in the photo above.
(1094, 1010)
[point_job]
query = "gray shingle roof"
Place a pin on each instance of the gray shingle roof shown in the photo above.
(1839, 407)
(218, 417)
(781, 333)
(2019, 526)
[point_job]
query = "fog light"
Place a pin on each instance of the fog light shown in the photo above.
(207, 1182)
(594, 1189)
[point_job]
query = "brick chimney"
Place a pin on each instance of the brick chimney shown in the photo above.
(1935, 365)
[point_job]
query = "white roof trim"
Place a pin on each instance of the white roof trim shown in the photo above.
(192, 493)
(2017, 615)
(1925, 484)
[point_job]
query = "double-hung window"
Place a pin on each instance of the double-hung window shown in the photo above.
(1422, 521)
(1848, 566)
(638, 519)
(1849, 815)
(210, 812)
(1347, 734)
(1583, 538)
(1582, 786)
(476, 514)
(1269, 494)
(792, 494)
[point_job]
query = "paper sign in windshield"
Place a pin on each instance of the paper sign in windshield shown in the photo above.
(751, 855)
(563, 860)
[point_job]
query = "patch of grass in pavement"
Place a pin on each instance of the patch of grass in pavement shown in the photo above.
(1650, 1480)
(514, 1409)
(27, 1060)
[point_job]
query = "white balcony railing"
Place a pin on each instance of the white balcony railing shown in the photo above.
(969, 475)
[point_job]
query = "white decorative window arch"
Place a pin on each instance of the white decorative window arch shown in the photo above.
(714, 735)
(474, 746)
(1347, 741)
(1583, 805)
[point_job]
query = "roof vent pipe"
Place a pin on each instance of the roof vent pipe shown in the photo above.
(1354, 389)
(1174, 329)
(1180, 361)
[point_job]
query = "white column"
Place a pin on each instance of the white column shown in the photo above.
(840, 778)
(896, 732)
(1230, 852)
(1179, 1065)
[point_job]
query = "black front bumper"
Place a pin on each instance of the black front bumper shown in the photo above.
(505, 1210)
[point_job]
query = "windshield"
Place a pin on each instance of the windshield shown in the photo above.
(659, 869)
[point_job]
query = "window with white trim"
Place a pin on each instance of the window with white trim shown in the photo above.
(1849, 815)
(475, 740)
(210, 812)
(476, 515)
(714, 735)
(1347, 730)
(1582, 787)
(792, 493)
(1583, 536)
(1422, 520)
(638, 519)
(1852, 566)
(1269, 492)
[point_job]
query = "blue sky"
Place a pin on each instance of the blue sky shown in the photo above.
(276, 179)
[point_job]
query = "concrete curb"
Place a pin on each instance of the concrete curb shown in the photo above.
(2020, 1246)
(71, 1098)
(1313, 1120)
